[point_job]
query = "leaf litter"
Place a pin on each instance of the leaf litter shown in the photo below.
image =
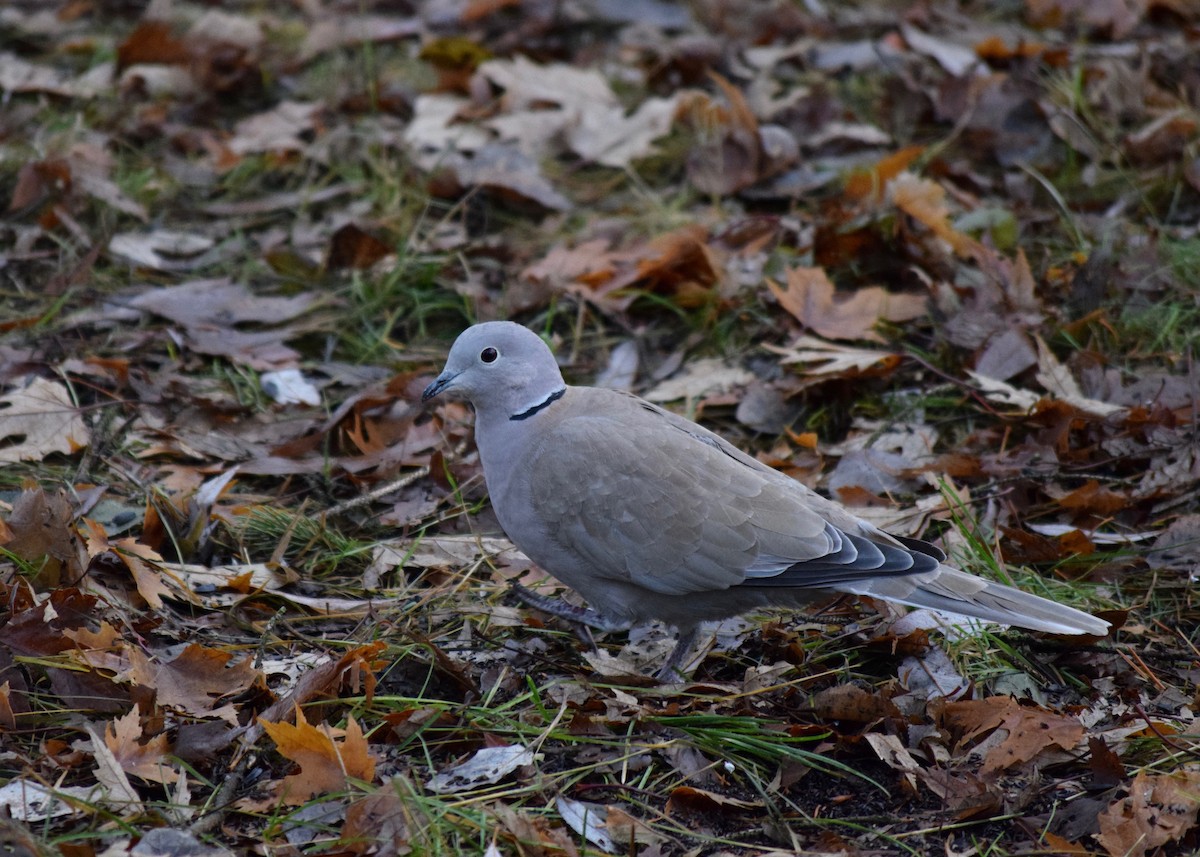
(938, 264)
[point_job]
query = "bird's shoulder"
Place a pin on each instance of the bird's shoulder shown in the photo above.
(613, 421)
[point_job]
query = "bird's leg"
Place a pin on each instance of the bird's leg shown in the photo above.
(580, 618)
(670, 670)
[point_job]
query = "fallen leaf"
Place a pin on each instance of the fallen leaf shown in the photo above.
(341, 30)
(1058, 381)
(1030, 729)
(925, 201)
(1117, 18)
(488, 766)
(1004, 393)
(705, 377)
(686, 799)
(39, 419)
(1159, 809)
(727, 153)
(195, 681)
(956, 59)
(325, 764)
(146, 760)
(892, 752)
(138, 558)
(119, 794)
(21, 75)
(378, 824)
(810, 297)
(821, 358)
(1092, 497)
(161, 249)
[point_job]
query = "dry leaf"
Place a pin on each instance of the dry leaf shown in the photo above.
(925, 201)
(1059, 382)
(39, 419)
(811, 299)
(325, 764)
(147, 760)
(196, 681)
(486, 767)
(138, 558)
(1159, 809)
(705, 377)
(119, 793)
(1030, 730)
(821, 358)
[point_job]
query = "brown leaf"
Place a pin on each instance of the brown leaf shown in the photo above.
(146, 760)
(681, 263)
(728, 151)
(1159, 809)
(40, 533)
(692, 801)
(535, 834)
(1092, 497)
(851, 703)
(136, 557)
(351, 247)
(152, 42)
(196, 681)
(810, 298)
(590, 263)
(1163, 140)
(1030, 729)
(1107, 770)
(8, 717)
(325, 764)
(221, 302)
(1117, 18)
(871, 183)
(377, 825)
(925, 201)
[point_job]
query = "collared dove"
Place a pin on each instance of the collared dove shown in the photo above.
(650, 516)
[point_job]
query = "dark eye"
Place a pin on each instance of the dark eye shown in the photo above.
(489, 355)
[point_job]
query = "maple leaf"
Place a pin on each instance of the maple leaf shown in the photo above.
(810, 297)
(325, 764)
(146, 760)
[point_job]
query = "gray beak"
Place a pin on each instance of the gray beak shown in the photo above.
(439, 384)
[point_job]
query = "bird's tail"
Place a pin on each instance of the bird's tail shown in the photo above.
(953, 591)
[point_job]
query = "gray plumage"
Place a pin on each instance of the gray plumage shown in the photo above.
(650, 516)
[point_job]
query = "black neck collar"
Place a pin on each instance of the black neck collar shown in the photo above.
(540, 406)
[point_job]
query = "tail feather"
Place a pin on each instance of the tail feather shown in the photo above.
(954, 591)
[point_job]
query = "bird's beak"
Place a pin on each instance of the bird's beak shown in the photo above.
(439, 384)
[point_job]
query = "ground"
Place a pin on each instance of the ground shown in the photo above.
(937, 261)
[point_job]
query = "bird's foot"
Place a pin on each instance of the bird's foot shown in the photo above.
(577, 616)
(671, 671)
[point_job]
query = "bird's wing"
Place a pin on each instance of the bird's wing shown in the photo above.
(666, 505)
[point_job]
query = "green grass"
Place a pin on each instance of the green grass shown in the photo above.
(311, 541)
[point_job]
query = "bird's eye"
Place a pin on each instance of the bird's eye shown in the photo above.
(489, 355)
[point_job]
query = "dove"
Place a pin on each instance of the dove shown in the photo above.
(650, 516)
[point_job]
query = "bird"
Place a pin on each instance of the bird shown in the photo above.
(650, 516)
